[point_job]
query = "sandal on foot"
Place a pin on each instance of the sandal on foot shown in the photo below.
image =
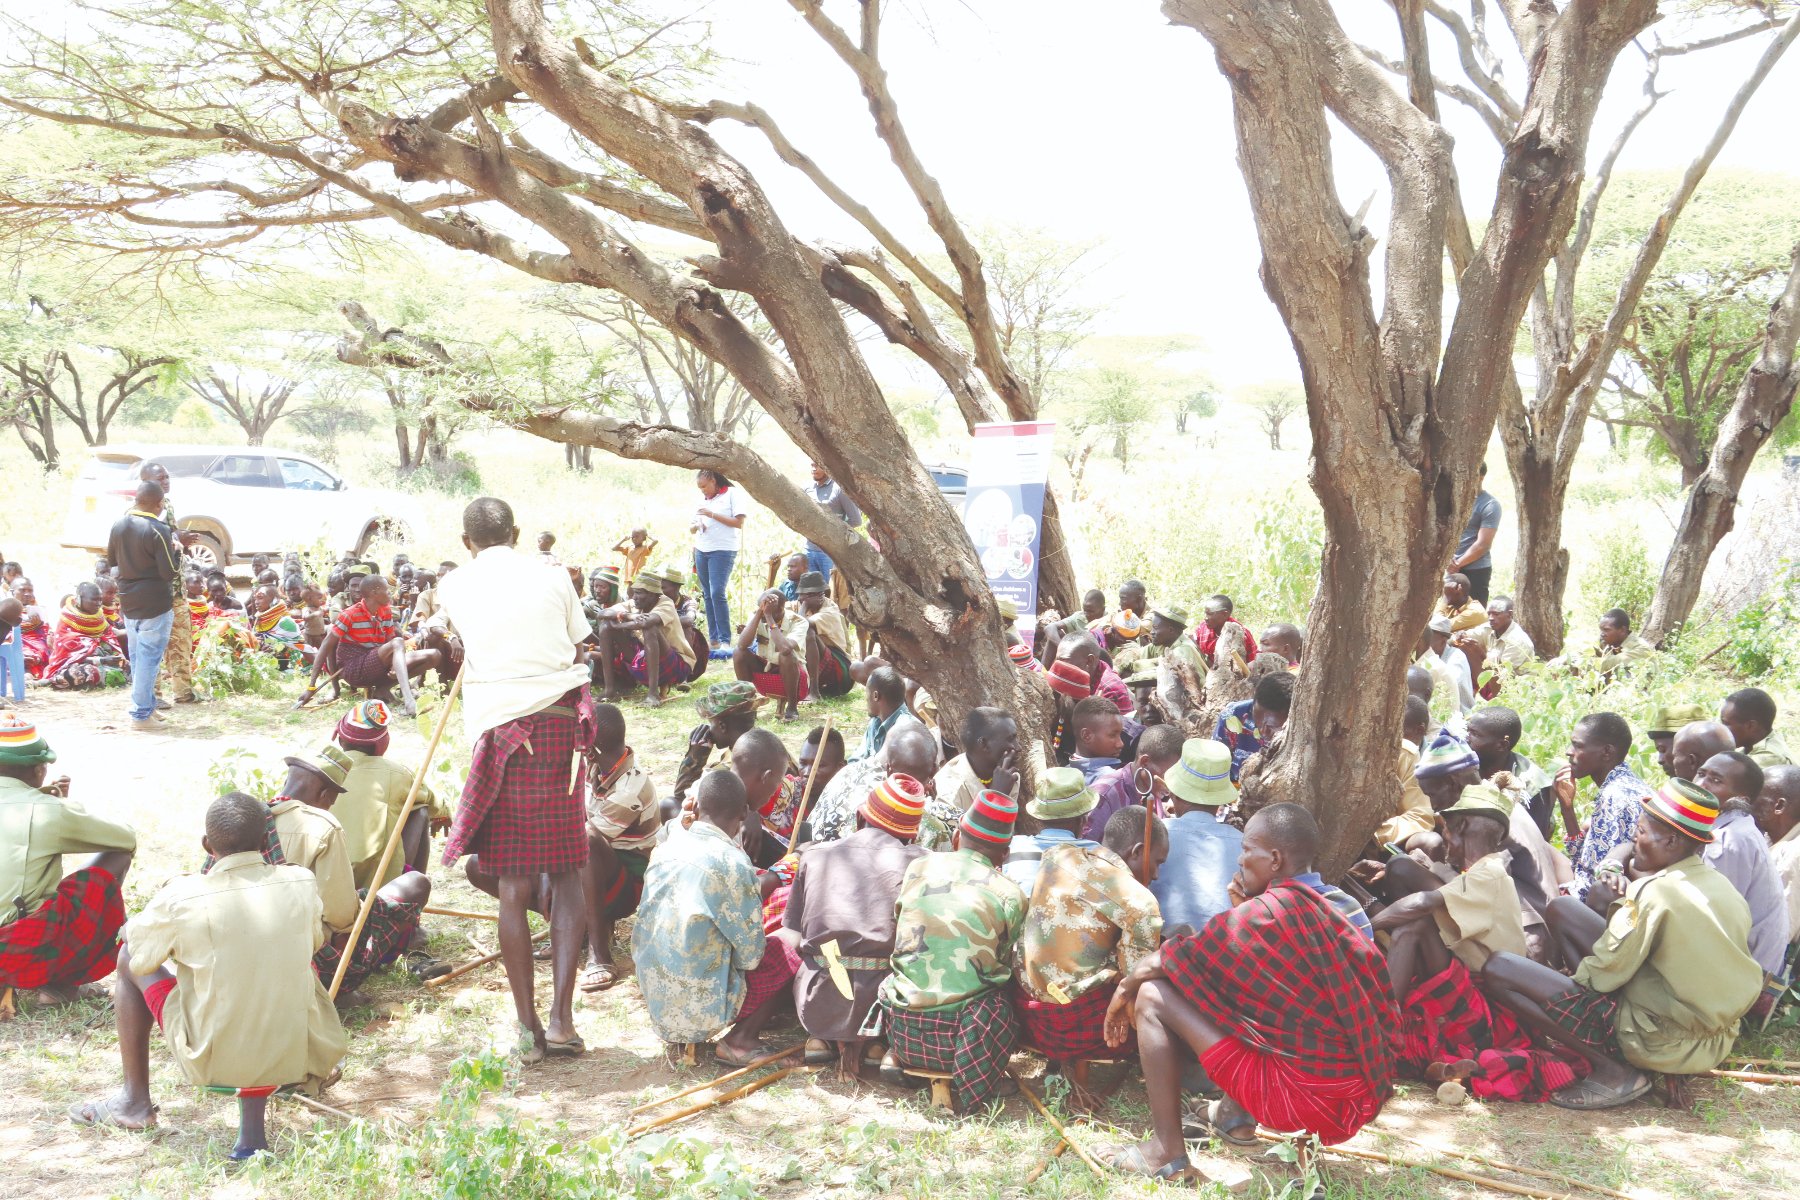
(730, 1057)
(599, 977)
(819, 1053)
(1587, 1096)
(1209, 1126)
(106, 1112)
(234, 1155)
(573, 1048)
(422, 966)
(1131, 1161)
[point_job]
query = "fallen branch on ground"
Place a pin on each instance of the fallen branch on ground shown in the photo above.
(457, 912)
(1498, 1185)
(1537, 1172)
(1754, 1077)
(1056, 1152)
(722, 1098)
(1058, 1125)
(483, 961)
(748, 1067)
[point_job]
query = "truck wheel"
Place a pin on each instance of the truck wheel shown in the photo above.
(208, 552)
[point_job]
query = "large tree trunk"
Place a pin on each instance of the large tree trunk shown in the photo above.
(1541, 566)
(1396, 433)
(1763, 401)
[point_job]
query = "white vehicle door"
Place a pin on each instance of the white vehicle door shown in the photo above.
(315, 500)
(250, 494)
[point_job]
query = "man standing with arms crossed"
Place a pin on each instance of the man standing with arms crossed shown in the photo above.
(142, 549)
(527, 708)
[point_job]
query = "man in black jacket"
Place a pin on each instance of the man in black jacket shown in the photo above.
(140, 548)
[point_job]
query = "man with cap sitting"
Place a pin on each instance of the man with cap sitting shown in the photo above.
(1442, 930)
(375, 790)
(1203, 850)
(827, 637)
(957, 925)
(1064, 799)
(1661, 981)
(57, 931)
(242, 1008)
(1069, 686)
(1180, 671)
(302, 832)
(688, 609)
(1666, 720)
(1121, 632)
(727, 712)
(1089, 919)
(1503, 640)
(840, 917)
(649, 644)
(1286, 1005)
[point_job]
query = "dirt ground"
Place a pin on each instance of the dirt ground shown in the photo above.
(809, 1135)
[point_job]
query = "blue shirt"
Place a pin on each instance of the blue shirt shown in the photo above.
(698, 932)
(1243, 743)
(1341, 900)
(1614, 821)
(1486, 515)
(1203, 856)
(1094, 770)
(1026, 854)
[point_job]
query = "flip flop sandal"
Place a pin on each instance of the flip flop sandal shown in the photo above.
(422, 966)
(1131, 1161)
(96, 1113)
(722, 1055)
(1584, 1095)
(599, 978)
(818, 1053)
(1209, 1126)
(573, 1048)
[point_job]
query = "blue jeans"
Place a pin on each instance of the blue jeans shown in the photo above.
(818, 560)
(148, 641)
(714, 569)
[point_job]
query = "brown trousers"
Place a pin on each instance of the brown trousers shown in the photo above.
(178, 659)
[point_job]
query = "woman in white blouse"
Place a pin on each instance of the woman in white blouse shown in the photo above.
(718, 534)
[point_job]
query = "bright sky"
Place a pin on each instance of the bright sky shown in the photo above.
(1100, 121)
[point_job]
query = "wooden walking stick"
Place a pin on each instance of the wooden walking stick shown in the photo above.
(387, 855)
(457, 912)
(812, 777)
(312, 691)
(721, 1098)
(727, 1077)
(472, 964)
(1058, 1126)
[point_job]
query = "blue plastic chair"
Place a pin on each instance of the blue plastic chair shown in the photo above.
(12, 666)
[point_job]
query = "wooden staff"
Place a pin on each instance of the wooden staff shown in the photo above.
(1538, 1172)
(1754, 1077)
(457, 912)
(387, 855)
(1498, 1185)
(307, 696)
(1056, 1152)
(812, 777)
(1058, 1126)
(324, 1108)
(721, 1098)
(483, 961)
(748, 1067)
(1783, 1063)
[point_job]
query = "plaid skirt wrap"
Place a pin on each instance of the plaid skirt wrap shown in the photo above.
(780, 963)
(384, 936)
(70, 939)
(1591, 1017)
(522, 806)
(361, 666)
(1062, 1032)
(973, 1041)
(1446, 1018)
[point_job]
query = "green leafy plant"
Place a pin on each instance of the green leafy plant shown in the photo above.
(224, 666)
(238, 769)
(1622, 577)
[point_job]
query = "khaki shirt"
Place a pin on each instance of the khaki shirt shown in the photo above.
(312, 838)
(374, 793)
(247, 1009)
(1414, 815)
(36, 830)
(1470, 614)
(1514, 648)
(1480, 917)
(829, 623)
(1675, 954)
(670, 618)
(1770, 752)
(793, 625)
(626, 814)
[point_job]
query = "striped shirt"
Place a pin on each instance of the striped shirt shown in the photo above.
(357, 624)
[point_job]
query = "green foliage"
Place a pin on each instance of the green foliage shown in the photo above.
(224, 666)
(1764, 636)
(1273, 404)
(238, 769)
(1114, 403)
(459, 1156)
(1621, 577)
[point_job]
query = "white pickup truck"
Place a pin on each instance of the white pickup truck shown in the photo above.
(238, 500)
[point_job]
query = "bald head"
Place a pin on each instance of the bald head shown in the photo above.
(759, 750)
(911, 750)
(1695, 743)
(1418, 683)
(1285, 640)
(1079, 650)
(149, 497)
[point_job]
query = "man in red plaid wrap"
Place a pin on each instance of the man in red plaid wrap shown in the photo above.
(523, 813)
(1288, 1007)
(57, 931)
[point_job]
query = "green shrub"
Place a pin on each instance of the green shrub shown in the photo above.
(1622, 577)
(1764, 636)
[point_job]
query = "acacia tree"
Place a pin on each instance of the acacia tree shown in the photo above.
(1273, 404)
(1398, 406)
(1763, 401)
(256, 405)
(1542, 433)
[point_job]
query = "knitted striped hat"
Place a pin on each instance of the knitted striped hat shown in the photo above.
(1070, 680)
(896, 804)
(608, 575)
(1445, 756)
(21, 745)
(1687, 807)
(365, 727)
(1023, 657)
(990, 819)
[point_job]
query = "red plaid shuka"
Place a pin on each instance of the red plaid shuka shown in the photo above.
(358, 625)
(384, 936)
(522, 809)
(1286, 974)
(1062, 1032)
(627, 888)
(1446, 1018)
(780, 963)
(973, 1041)
(72, 938)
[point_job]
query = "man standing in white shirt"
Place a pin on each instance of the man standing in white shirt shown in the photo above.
(525, 704)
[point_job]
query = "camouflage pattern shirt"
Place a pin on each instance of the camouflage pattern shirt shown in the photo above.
(958, 921)
(1089, 922)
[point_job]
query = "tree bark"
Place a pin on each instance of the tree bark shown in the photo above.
(1396, 432)
(1763, 400)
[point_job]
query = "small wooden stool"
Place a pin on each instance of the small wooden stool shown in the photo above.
(940, 1084)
